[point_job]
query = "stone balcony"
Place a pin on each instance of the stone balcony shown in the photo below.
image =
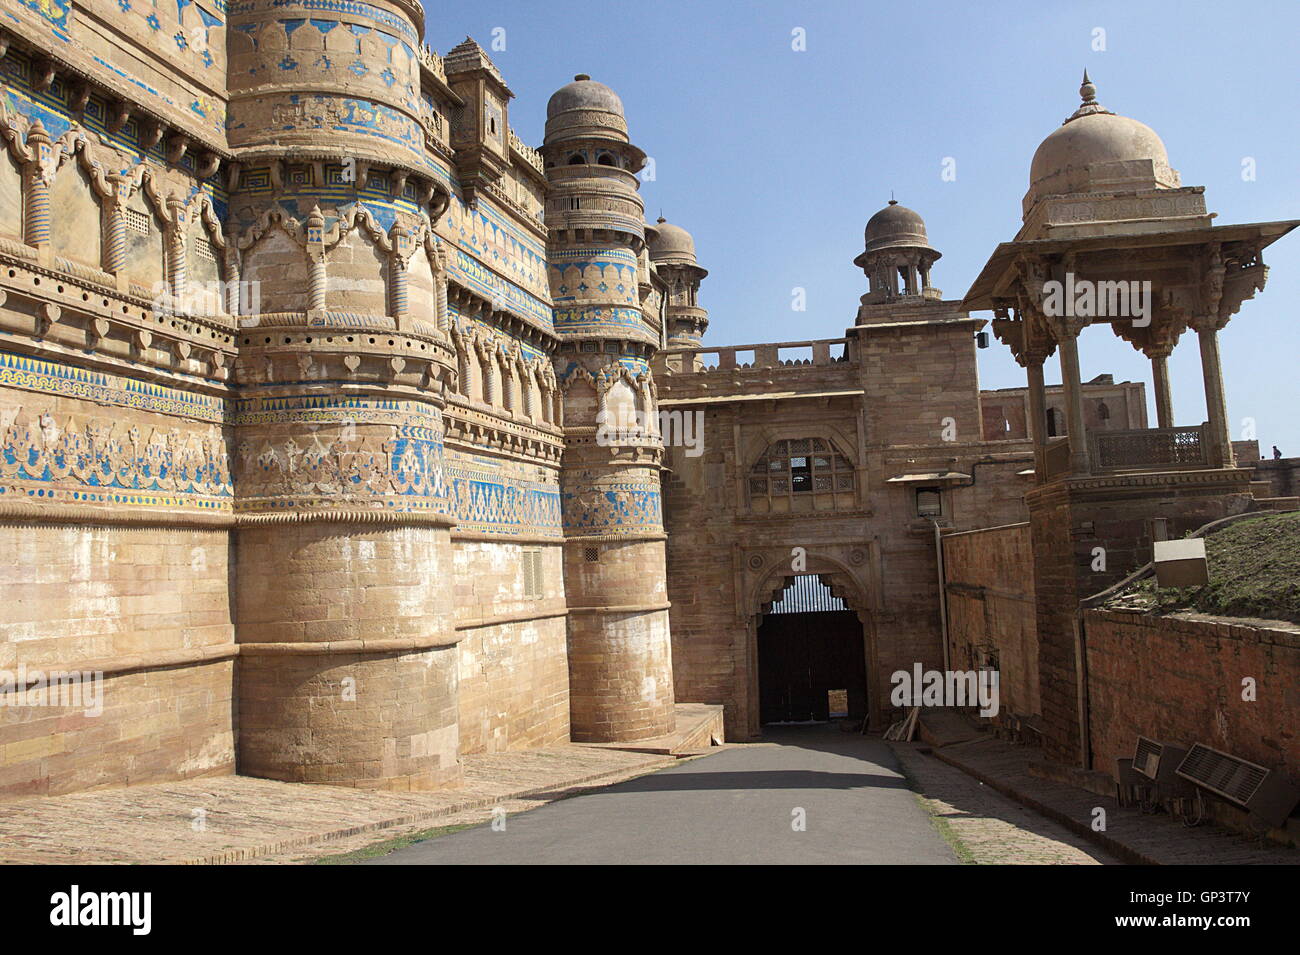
(821, 368)
(1134, 451)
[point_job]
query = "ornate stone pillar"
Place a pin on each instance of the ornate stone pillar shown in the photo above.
(508, 384)
(1037, 412)
(526, 387)
(36, 221)
(177, 227)
(1160, 384)
(1217, 436)
(231, 276)
(402, 242)
(115, 244)
(1066, 332)
(488, 365)
(316, 278)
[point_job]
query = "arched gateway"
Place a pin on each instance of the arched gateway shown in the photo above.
(811, 643)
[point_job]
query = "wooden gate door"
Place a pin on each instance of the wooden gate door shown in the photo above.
(802, 657)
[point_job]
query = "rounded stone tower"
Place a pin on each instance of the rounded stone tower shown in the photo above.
(672, 250)
(898, 256)
(346, 79)
(620, 657)
(347, 666)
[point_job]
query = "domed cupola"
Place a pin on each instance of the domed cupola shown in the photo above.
(672, 250)
(591, 164)
(898, 255)
(1096, 151)
(670, 244)
(585, 109)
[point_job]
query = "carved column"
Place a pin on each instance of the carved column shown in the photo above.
(507, 380)
(488, 365)
(526, 387)
(1037, 413)
(231, 273)
(464, 362)
(316, 278)
(1217, 436)
(1160, 383)
(1074, 404)
(36, 222)
(1211, 317)
(177, 225)
(399, 295)
(1066, 332)
(115, 244)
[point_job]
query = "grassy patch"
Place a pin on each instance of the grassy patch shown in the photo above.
(390, 845)
(1254, 572)
(942, 826)
(948, 834)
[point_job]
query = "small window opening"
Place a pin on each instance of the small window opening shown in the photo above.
(929, 503)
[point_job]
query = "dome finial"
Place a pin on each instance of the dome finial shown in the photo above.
(1088, 99)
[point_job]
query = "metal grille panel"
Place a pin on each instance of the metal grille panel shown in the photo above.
(1232, 778)
(807, 594)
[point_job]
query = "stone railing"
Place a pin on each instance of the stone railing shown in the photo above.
(828, 351)
(432, 62)
(1149, 449)
(525, 152)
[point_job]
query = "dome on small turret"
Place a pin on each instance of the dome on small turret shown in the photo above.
(584, 108)
(670, 243)
(1096, 150)
(895, 226)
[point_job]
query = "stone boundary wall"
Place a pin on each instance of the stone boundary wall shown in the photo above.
(1282, 474)
(991, 619)
(146, 612)
(1179, 679)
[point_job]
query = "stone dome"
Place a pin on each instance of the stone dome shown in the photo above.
(895, 226)
(1096, 150)
(584, 108)
(670, 243)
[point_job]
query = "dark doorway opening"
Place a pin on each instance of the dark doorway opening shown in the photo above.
(811, 660)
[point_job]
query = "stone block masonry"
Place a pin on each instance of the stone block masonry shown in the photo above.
(145, 609)
(1179, 679)
(283, 448)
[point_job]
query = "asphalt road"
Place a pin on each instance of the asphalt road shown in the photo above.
(737, 806)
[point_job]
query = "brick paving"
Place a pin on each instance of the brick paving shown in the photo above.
(989, 828)
(1131, 835)
(248, 819)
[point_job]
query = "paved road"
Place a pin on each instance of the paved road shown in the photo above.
(734, 807)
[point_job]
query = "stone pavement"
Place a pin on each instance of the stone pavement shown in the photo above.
(805, 796)
(1131, 835)
(984, 826)
(245, 818)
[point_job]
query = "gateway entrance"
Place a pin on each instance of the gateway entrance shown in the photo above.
(811, 660)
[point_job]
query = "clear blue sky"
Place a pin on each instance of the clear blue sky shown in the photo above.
(775, 159)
